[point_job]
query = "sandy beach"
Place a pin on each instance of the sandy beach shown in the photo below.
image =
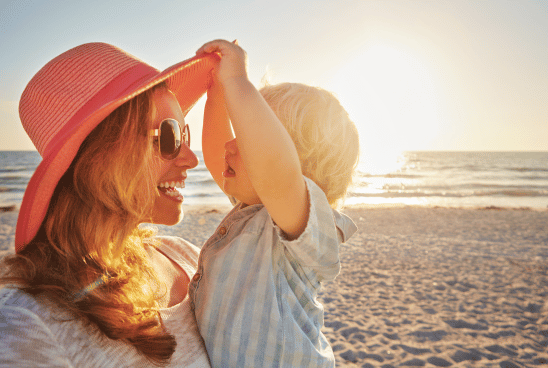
(424, 287)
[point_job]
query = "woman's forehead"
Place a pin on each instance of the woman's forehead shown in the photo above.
(165, 105)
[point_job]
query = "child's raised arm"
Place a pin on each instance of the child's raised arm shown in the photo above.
(267, 150)
(215, 133)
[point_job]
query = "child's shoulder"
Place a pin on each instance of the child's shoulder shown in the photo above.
(317, 198)
(323, 211)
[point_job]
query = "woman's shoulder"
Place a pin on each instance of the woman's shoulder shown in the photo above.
(26, 335)
(35, 330)
(12, 297)
(179, 250)
(17, 305)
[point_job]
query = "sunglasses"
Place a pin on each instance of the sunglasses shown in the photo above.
(169, 137)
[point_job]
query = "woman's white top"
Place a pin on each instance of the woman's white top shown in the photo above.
(36, 333)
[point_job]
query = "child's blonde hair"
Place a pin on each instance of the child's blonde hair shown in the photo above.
(326, 139)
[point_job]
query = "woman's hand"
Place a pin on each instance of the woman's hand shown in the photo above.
(233, 62)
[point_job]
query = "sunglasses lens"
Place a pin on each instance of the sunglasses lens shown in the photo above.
(170, 138)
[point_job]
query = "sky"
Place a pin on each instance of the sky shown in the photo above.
(413, 75)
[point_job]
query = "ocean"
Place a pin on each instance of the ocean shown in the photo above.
(429, 178)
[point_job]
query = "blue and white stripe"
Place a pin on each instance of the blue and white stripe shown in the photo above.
(254, 294)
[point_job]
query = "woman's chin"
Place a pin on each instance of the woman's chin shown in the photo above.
(168, 213)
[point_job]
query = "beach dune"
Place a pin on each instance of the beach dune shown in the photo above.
(424, 286)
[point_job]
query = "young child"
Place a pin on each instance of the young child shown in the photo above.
(254, 293)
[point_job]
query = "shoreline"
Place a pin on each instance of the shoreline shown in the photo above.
(222, 207)
(423, 285)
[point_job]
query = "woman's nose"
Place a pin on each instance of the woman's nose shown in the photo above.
(231, 146)
(186, 157)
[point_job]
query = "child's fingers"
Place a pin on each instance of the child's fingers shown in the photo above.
(205, 49)
(219, 46)
(233, 58)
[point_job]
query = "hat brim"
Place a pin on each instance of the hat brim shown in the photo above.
(188, 80)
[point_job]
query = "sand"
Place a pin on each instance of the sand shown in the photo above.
(425, 287)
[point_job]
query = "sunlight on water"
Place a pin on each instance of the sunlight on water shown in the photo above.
(384, 177)
(381, 162)
(371, 178)
(353, 201)
(451, 179)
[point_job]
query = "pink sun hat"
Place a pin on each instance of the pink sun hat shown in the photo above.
(72, 94)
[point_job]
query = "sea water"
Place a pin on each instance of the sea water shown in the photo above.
(455, 179)
(448, 179)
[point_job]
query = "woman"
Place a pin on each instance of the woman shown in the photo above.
(87, 286)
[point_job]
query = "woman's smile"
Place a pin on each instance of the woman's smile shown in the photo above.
(172, 189)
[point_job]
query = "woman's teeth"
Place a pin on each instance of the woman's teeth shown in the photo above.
(172, 184)
(172, 189)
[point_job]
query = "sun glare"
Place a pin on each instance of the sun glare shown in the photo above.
(391, 96)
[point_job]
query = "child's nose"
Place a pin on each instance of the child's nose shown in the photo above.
(231, 146)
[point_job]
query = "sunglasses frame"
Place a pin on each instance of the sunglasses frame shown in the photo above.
(184, 138)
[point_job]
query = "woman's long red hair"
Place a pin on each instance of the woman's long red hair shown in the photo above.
(91, 230)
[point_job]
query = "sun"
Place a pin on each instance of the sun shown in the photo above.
(391, 95)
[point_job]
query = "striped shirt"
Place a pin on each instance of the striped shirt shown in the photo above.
(254, 294)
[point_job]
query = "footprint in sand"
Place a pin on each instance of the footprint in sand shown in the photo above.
(439, 362)
(422, 336)
(414, 351)
(459, 323)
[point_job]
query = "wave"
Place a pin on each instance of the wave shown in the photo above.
(464, 170)
(204, 195)
(199, 169)
(203, 180)
(22, 178)
(17, 169)
(391, 176)
(446, 194)
(534, 177)
(514, 193)
(12, 190)
(462, 186)
(528, 169)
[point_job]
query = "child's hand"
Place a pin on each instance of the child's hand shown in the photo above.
(233, 62)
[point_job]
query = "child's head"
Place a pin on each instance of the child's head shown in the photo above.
(326, 139)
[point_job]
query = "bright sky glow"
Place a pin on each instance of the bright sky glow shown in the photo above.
(414, 75)
(396, 91)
